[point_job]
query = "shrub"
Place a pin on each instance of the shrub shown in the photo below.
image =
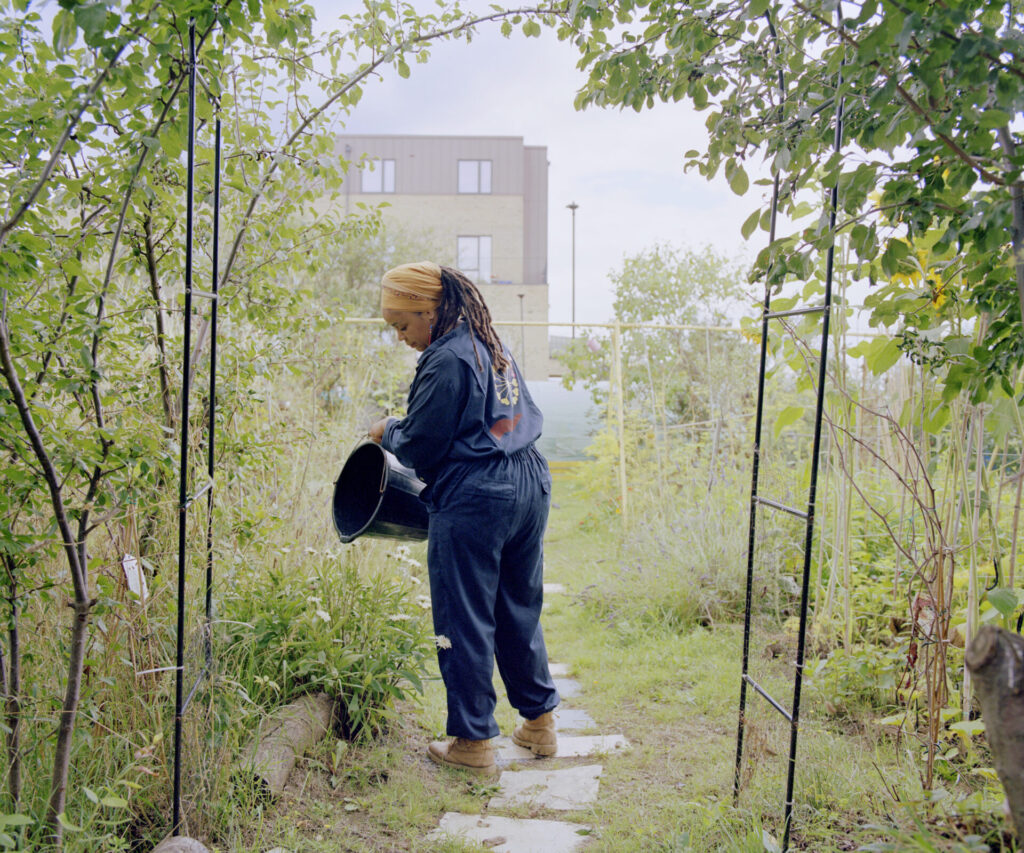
(362, 640)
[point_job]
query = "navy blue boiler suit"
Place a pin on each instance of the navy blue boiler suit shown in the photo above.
(469, 434)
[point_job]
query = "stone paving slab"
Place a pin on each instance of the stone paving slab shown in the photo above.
(567, 686)
(561, 790)
(573, 719)
(558, 670)
(569, 746)
(512, 835)
(556, 588)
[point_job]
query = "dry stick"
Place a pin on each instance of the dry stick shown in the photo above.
(935, 648)
(1016, 505)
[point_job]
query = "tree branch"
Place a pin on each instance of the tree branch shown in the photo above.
(69, 129)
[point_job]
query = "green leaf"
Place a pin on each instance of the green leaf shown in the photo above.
(883, 356)
(1004, 600)
(739, 183)
(114, 801)
(968, 728)
(993, 118)
(68, 825)
(64, 31)
(15, 820)
(750, 224)
(403, 68)
(789, 415)
(92, 20)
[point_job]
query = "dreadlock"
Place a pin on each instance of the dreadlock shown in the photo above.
(461, 298)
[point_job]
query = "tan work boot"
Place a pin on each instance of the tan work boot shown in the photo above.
(477, 756)
(538, 735)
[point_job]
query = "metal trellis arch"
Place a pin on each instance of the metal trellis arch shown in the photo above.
(186, 499)
(792, 715)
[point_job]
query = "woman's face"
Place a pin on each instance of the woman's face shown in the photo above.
(413, 327)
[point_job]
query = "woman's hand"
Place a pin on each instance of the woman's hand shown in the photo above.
(376, 431)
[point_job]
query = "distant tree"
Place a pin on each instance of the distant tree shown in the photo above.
(673, 375)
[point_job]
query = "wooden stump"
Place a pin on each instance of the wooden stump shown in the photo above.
(282, 738)
(996, 660)
(180, 844)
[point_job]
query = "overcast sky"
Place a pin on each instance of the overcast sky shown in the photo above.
(623, 169)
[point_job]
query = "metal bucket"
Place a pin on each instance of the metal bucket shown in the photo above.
(375, 495)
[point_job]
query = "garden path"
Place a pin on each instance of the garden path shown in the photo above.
(566, 783)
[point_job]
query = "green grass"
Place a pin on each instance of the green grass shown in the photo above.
(673, 692)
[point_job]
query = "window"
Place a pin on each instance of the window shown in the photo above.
(378, 176)
(474, 176)
(474, 255)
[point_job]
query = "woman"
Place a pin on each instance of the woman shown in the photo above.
(469, 433)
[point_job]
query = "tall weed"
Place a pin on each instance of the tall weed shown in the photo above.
(361, 639)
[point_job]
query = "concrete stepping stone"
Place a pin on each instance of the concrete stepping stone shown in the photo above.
(513, 835)
(567, 687)
(569, 746)
(561, 790)
(558, 670)
(573, 719)
(554, 588)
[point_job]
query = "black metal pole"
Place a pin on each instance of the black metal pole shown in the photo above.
(812, 493)
(755, 468)
(183, 471)
(212, 427)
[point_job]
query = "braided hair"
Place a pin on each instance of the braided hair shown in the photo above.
(461, 298)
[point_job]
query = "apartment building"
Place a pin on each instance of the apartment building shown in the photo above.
(485, 199)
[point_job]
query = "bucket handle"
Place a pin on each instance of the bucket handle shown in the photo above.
(383, 470)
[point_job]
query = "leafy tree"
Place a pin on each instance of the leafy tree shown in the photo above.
(92, 177)
(930, 93)
(667, 371)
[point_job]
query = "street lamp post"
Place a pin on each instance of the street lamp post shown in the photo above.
(573, 207)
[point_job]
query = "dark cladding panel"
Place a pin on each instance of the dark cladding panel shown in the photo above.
(429, 165)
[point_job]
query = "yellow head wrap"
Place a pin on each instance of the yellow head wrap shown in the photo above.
(411, 287)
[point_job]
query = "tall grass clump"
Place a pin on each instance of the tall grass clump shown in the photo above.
(681, 556)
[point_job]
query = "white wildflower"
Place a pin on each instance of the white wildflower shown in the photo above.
(323, 614)
(399, 617)
(442, 642)
(423, 601)
(415, 580)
